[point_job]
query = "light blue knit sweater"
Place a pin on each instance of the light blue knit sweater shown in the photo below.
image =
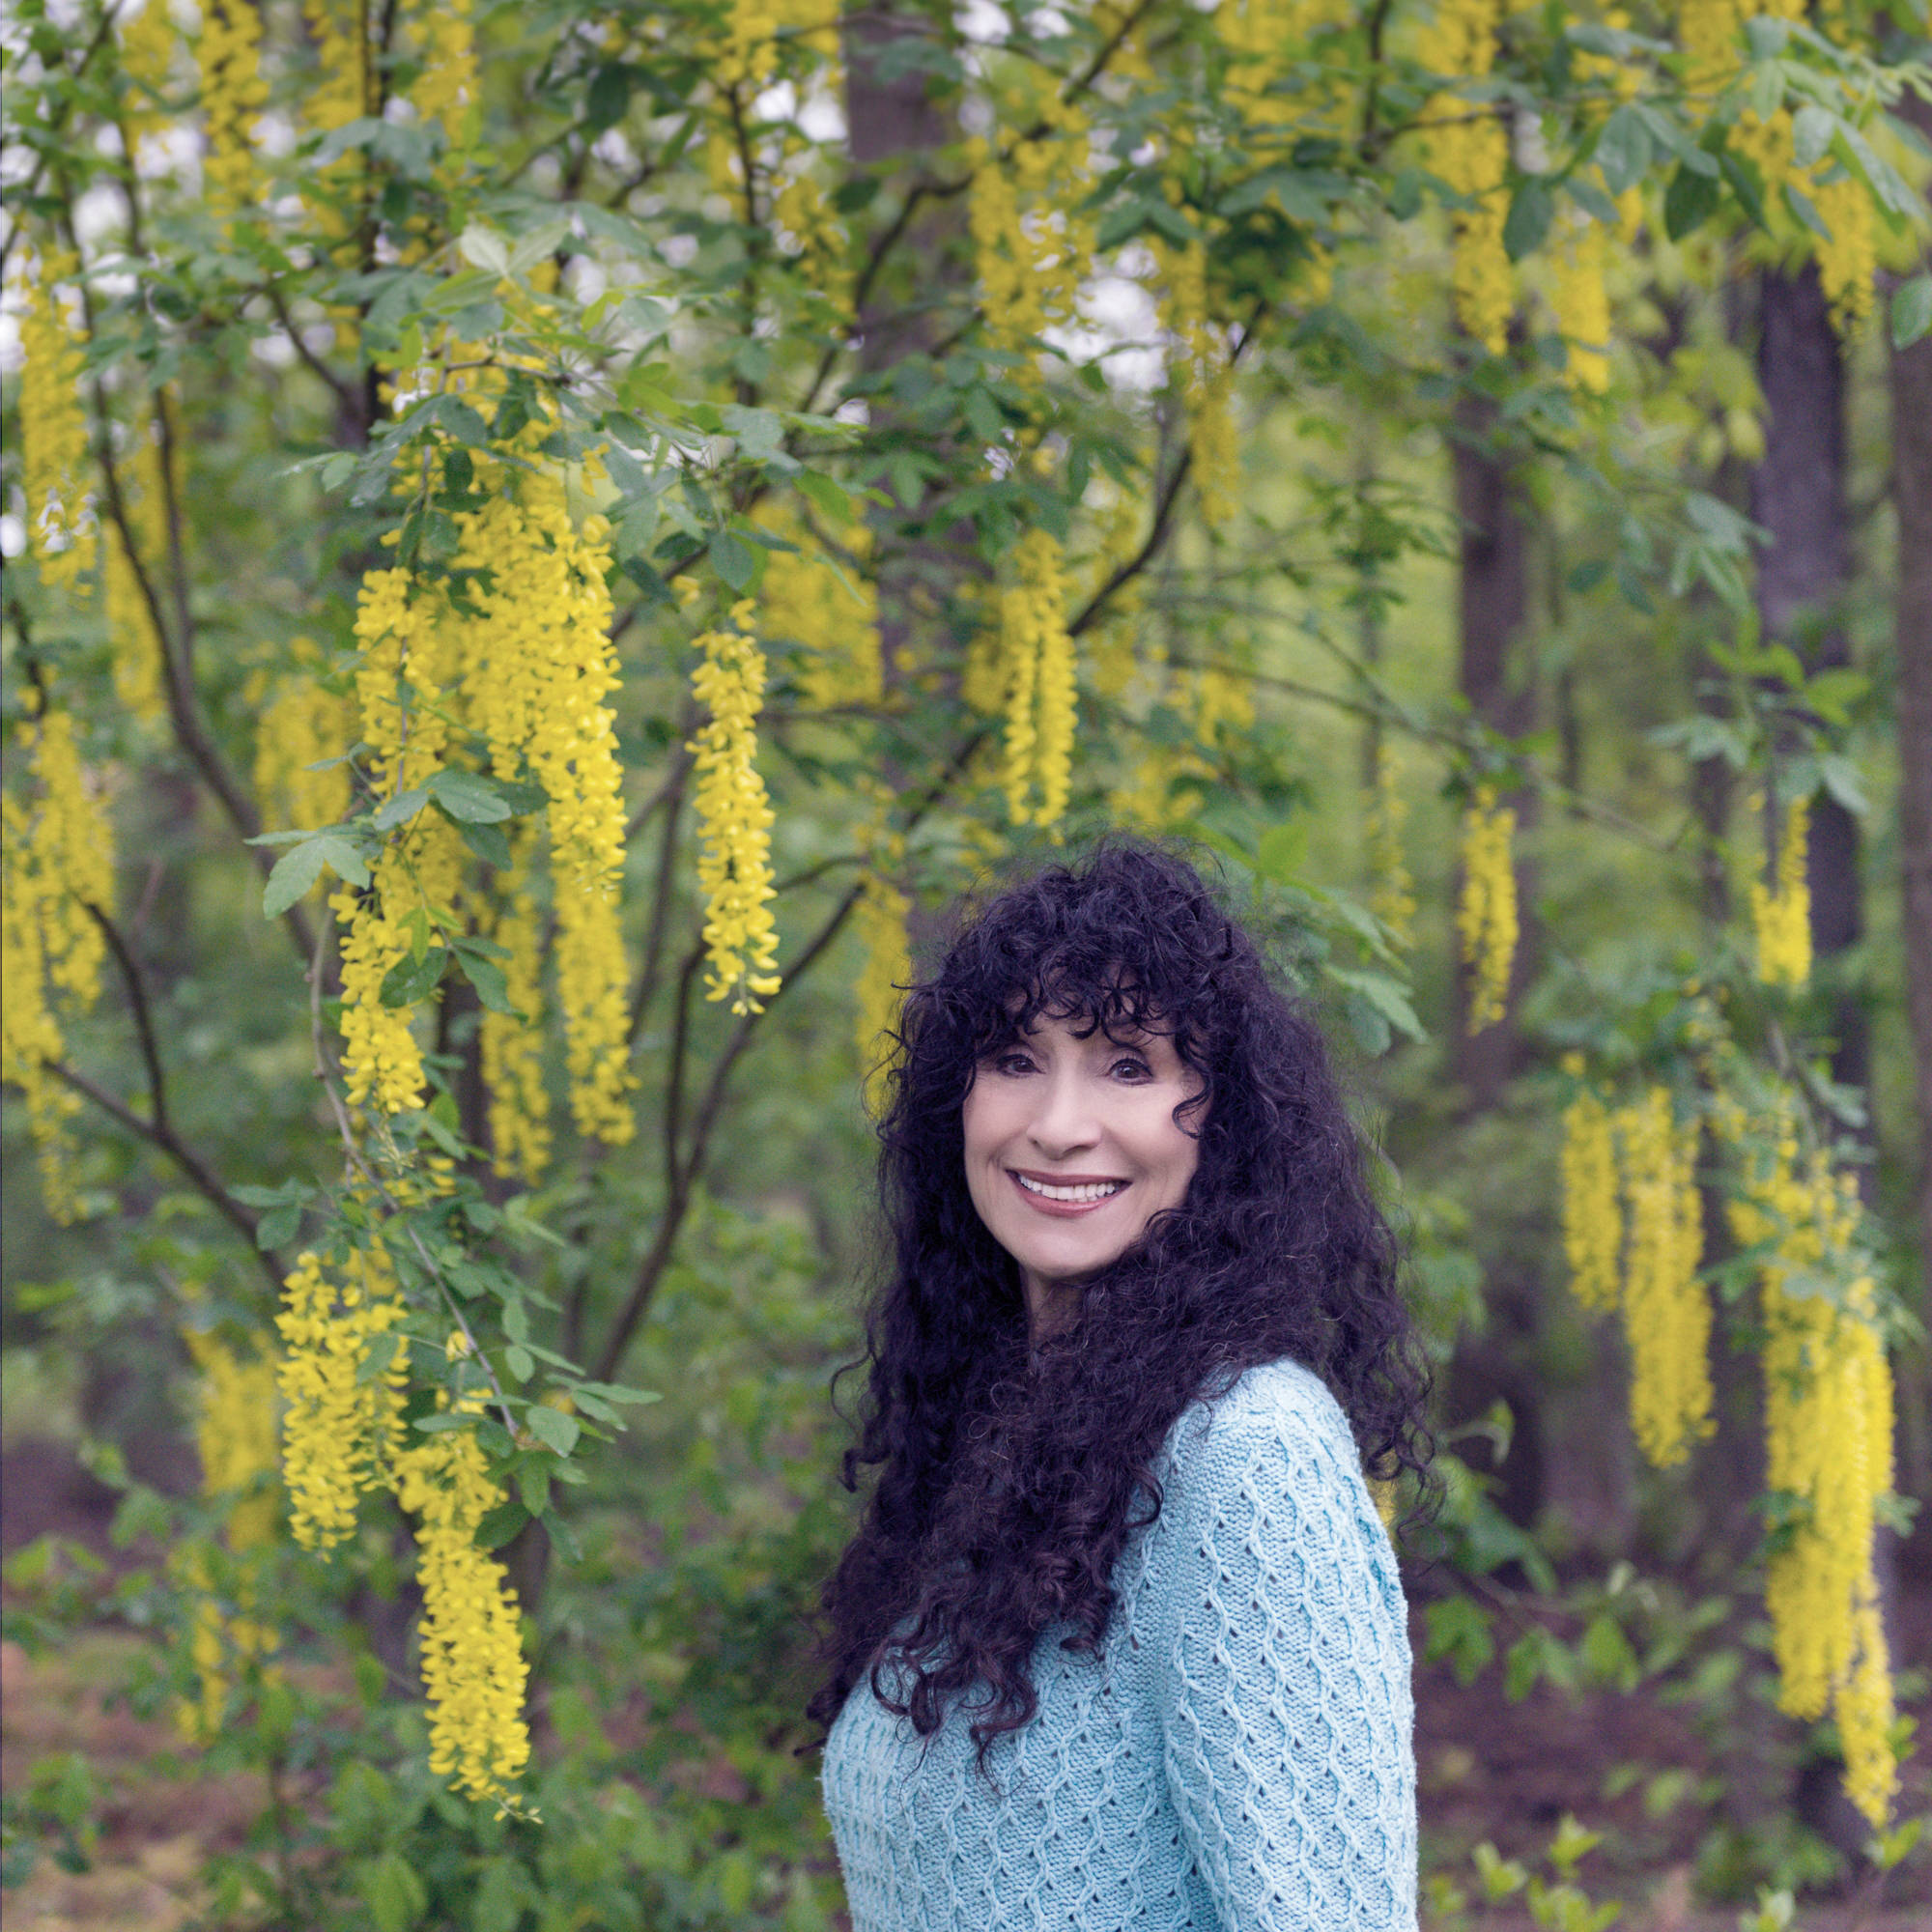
(1239, 1757)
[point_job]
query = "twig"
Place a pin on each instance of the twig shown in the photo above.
(184, 1157)
(344, 393)
(137, 998)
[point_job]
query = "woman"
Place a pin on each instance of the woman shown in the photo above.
(1119, 1642)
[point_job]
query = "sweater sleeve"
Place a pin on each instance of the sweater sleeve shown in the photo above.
(1282, 1669)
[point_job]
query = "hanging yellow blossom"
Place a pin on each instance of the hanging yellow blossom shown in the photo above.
(1391, 885)
(235, 1435)
(1781, 911)
(735, 818)
(53, 428)
(140, 653)
(342, 1431)
(1582, 303)
(446, 88)
(1829, 1419)
(881, 918)
(303, 725)
(1469, 149)
(147, 54)
(834, 614)
(1036, 654)
(511, 1044)
(1486, 917)
(759, 29)
(538, 670)
(1200, 360)
(1593, 1227)
(1667, 1308)
(1848, 260)
(472, 1659)
(1009, 296)
(232, 97)
(57, 855)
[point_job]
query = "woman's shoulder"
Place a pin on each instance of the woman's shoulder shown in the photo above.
(1282, 1402)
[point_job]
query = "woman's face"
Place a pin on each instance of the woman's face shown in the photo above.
(1071, 1148)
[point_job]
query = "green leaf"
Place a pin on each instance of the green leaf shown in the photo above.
(1531, 210)
(1811, 130)
(409, 982)
(468, 798)
(555, 1430)
(735, 560)
(1282, 850)
(519, 1362)
(1623, 150)
(829, 499)
(298, 868)
(382, 1353)
(501, 1523)
(395, 1895)
(488, 841)
(278, 1227)
(561, 1534)
(484, 248)
(533, 1486)
(1912, 311)
(1689, 201)
(487, 977)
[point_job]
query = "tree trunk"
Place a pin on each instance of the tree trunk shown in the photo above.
(1798, 494)
(1912, 495)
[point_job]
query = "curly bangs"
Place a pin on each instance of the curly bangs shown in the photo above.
(1009, 1477)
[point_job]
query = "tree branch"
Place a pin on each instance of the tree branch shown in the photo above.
(162, 1136)
(137, 998)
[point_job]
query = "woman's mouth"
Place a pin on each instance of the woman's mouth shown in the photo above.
(1065, 1195)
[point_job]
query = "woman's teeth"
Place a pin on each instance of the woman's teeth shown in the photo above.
(1087, 1190)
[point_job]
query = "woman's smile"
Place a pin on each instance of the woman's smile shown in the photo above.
(1066, 1193)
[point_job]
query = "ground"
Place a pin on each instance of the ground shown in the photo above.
(1628, 1766)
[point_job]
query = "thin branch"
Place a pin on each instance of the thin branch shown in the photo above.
(347, 396)
(24, 191)
(144, 1024)
(645, 992)
(163, 1137)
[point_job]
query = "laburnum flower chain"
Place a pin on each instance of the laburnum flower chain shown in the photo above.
(1780, 906)
(1469, 148)
(1486, 914)
(1041, 691)
(734, 818)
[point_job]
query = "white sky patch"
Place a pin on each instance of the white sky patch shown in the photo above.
(615, 151)
(981, 20)
(275, 135)
(1047, 21)
(13, 534)
(99, 213)
(585, 278)
(679, 251)
(853, 410)
(778, 102)
(822, 118)
(274, 349)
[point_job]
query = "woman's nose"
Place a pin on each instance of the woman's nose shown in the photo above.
(1066, 1120)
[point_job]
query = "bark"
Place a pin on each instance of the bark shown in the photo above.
(1912, 497)
(1798, 494)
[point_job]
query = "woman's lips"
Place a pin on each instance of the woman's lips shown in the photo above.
(1065, 1209)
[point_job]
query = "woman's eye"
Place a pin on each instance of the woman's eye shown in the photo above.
(1131, 1068)
(1011, 1063)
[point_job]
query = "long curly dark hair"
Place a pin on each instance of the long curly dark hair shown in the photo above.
(1009, 1477)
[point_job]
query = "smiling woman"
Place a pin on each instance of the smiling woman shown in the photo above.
(1121, 1640)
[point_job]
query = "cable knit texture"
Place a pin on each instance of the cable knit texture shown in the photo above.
(1238, 1757)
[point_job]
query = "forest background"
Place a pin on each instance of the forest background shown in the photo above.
(546, 545)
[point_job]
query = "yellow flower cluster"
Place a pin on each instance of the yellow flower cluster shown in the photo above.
(446, 88)
(802, 212)
(1391, 885)
(1828, 1426)
(139, 650)
(834, 614)
(1848, 260)
(511, 1044)
(472, 1656)
(735, 818)
(1206, 380)
(1582, 302)
(233, 95)
(1593, 1225)
(1036, 658)
(235, 1435)
(1486, 917)
(1707, 30)
(1032, 243)
(53, 428)
(881, 916)
(304, 724)
(56, 860)
(1667, 1308)
(342, 1429)
(538, 667)
(147, 54)
(1781, 911)
(1469, 148)
(341, 94)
